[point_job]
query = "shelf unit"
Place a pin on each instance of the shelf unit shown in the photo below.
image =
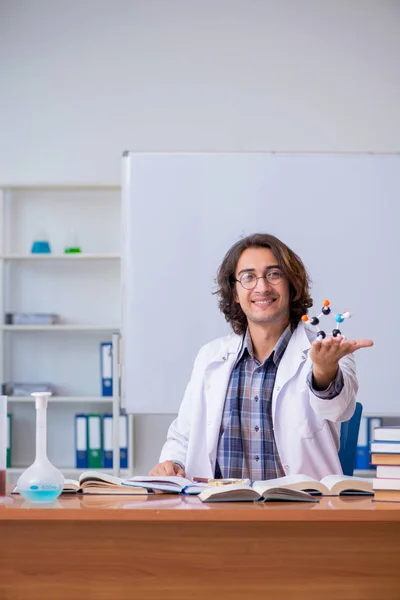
(34, 282)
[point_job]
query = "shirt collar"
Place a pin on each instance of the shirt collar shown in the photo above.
(277, 352)
(282, 344)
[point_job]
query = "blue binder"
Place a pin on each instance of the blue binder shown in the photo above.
(107, 441)
(365, 437)
(106, 368)
(362, 454)
(123, 441)
(81, 450)
(108, 453)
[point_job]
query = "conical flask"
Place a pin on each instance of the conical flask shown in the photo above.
(41, 244)
(41, 482)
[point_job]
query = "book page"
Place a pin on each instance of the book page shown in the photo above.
(285, 494)
(98, 476)
(168, 483)
(172, 480)
(229, 492)
(337, 484)
(70, 485)
(291, 482)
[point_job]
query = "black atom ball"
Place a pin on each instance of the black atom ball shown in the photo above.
(314, 321)
(322, 334)
(326, 310)
(336, 332)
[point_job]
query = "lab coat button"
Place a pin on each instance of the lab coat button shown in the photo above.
(224, 358)
(278, 388)
(286, 467)
(209, 423)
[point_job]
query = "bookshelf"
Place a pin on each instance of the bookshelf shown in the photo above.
(83, 288)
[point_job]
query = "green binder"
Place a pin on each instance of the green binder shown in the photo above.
(9, 423)
(94, 438)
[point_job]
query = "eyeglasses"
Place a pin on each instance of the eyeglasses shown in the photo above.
(249, 280)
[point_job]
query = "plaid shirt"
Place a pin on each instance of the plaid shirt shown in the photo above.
(247, 445)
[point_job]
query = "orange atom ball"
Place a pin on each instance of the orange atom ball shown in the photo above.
(326, 303)
(304, 318)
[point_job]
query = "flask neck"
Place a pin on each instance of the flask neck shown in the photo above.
(41, 433)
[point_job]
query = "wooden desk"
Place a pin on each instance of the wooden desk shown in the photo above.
(175, 547)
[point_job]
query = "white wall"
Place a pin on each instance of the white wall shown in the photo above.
(83, 80)
(80, 81)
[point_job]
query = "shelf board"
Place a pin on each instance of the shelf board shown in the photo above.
(60, 328)
(63, 399)
(368, 473)
(68, 470)
(62, 187)
(51, 257)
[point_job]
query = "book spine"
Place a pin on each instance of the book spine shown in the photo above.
(389, 447)
(123, 441)
(106, 368)
(362, 454)
(387, 434)
(9, 440)
(108, 441)
(95, 451)
(81, 444)
(385, 458)
(387, 472)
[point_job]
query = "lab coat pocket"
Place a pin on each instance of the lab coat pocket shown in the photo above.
(305, 423)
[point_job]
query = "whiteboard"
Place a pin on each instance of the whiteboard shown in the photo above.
(182, 212)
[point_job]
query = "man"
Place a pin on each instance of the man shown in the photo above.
(267, 400)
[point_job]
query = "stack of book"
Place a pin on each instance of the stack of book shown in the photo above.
(385, 454)
(365, 437)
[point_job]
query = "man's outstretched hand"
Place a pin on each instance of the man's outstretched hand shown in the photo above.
(325, 356)
(167, 468)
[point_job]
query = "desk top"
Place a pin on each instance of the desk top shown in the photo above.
(174, 508)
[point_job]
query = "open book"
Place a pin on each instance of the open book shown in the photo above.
(96, 482)
(292, 487)
(168, 483)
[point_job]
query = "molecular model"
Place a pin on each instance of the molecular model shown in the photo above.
(325, 310)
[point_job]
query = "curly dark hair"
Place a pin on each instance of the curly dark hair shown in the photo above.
(290, 264)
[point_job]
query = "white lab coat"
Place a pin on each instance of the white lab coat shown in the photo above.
(307, 428)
